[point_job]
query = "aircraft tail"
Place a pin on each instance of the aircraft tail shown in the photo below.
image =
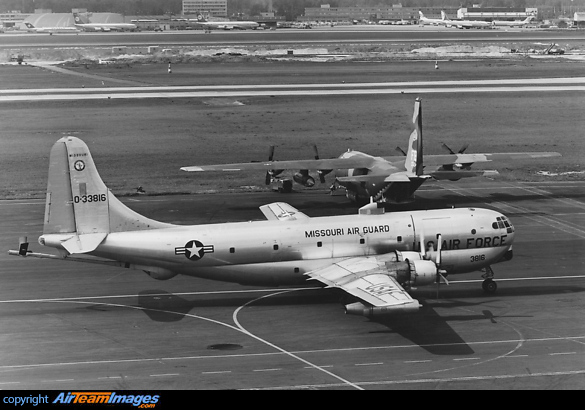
(414, 155)
(443, 15)
(79, 19)
(28, 25)
(78, 202)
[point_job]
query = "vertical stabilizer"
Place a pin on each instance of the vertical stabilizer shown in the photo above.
(414, 155)
(79, 202)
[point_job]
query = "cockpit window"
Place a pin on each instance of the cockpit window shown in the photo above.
(503, 223)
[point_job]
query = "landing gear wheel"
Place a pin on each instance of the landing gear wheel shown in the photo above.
(489, 286)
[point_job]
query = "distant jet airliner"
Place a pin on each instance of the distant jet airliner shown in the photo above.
(226, 24)
(50, 30)
(384, 179)
(85, 24)
(375, 257)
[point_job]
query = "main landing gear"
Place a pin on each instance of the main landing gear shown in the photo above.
(489, 285)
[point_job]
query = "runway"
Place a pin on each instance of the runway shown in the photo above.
(72, 326)
(496, 86)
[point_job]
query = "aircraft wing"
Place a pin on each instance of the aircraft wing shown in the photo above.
(449, 159)
(282, 212)
(335, 163)
(367, 278)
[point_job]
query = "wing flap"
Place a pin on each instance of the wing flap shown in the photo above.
(367, 279)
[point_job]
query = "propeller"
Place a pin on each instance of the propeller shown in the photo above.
(438, 264)
(400, 150)
(461, 150)
(320, 172)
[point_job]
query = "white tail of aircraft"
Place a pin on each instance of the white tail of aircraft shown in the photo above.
(79, 202)
(414, 155)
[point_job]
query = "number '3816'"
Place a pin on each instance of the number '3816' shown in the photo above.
(89, 198)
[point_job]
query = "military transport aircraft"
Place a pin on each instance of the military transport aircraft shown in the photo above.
(425, 20)
(226, 24)
(385, 179)
(375, 257)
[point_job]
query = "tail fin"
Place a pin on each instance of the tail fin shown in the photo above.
(414, 155)
(421, 15)
(79, 202)
(443, 15)
(79, 19)
(28, 25)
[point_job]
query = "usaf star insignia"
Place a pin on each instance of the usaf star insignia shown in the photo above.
(194, 250)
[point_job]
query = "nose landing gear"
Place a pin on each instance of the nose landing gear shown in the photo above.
(489, 285)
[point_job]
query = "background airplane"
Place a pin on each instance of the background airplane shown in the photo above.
(51, 30)
(392, 179)
(85, 24)
(515, 23)
(226, 24)
(464, 23)
(426, 21)
(374, 257)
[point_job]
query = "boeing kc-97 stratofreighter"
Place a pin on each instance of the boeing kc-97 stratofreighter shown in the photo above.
(375, 257)
(384, 179)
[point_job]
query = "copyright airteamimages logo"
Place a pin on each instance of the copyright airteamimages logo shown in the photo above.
(143, 401)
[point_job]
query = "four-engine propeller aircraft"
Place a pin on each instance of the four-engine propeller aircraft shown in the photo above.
(375, 257)
(85, 24)
(385, 179)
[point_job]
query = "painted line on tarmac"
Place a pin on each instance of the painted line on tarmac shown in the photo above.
(304, 93)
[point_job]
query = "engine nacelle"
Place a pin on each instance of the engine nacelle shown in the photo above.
(303, 178)
(160, 274)
(422, 272)
(411, 270)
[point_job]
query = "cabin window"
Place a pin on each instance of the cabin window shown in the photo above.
(399, 238)
(473, 231)
(275, 247)
(362, 241)
(319, 244)
(232, 250)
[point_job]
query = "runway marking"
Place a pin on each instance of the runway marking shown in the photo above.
(229, 292)
(304, 93)
(466, 358)
(369, 364)
(218, 372)
(514, 356)
(235, 319)
(266, 370)
(57, 381)
(532, 81)
(165, 375)
(562, 353)
(417, 361)
(547, 221)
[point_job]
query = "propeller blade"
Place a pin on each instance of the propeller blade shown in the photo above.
(316, 151)
(445, 146)
(463, 148)
(271, 153)
(268, 177)
(400, 150)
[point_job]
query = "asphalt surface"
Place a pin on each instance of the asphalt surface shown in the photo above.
(69, 326)
(74, 326)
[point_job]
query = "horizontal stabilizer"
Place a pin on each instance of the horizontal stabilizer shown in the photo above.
(84, 243)
(280, 211)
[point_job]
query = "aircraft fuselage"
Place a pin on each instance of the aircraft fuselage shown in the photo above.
(279, 253)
